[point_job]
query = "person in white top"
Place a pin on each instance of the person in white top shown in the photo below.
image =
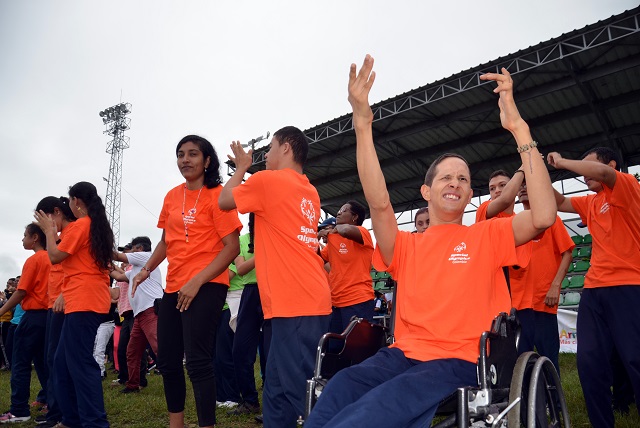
(142, 298)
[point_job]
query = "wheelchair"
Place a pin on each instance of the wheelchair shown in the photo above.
(512, 391)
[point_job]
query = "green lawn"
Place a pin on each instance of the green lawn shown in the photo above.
(147, 409)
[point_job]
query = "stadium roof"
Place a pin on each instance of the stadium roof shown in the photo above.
(577, 91)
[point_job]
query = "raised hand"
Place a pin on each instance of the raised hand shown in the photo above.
(359, 87)
(45, 222)
(509, 115)
(554, 159)
(242, 159)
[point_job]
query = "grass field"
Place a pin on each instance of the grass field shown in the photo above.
(147, 409)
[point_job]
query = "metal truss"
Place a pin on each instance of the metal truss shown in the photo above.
(582, 40)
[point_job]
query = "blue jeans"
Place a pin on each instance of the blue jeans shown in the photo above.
(78, 380)
(28, 345)
(290, 363)
(391, 390)
(226, 386)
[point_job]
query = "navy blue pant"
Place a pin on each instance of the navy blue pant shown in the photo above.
(9, 341)
(547, 340)
(390, 389)
(28, 345)
(340, 317)
(290, 363)
(191, 333)
(607, 320)
(54, 329)
(245, 343)
(527, 320)
(226, 386)
(78, 379)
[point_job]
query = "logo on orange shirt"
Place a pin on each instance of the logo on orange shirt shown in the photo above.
(343, 248)
(458, 256)
(604, 208)
(308, 211)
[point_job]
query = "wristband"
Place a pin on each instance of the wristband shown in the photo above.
(146, 268)
(526, 147)
(517, 171)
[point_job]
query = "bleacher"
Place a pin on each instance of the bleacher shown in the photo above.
(573, 283)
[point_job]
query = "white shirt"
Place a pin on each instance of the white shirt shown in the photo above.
(150, 289)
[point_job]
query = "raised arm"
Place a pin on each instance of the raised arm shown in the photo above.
(243, 161)
(159, 254)
(604, 173)
(48, 226)
(563, 203)
(553, 295)
(508, 195)
(348, 231)
(373, 184)
(527, 224)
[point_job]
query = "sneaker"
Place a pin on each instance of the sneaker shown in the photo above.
(226, 404)
(259, 419)
(245, 409)
(9, 418)
(116, 383)
(60, 425)
(43, 410)
(47, 424)
(37, 404)
(127, 390)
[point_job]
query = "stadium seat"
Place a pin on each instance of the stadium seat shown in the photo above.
(380, 285)
(581, 266)
(587, 239)
(570, 269)
(565, 283)
(576, 281)
(571, 299)
(561, 300)
(574, 253)
(584, 252)
(577, 239)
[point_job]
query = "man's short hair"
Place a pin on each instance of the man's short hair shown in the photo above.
(297, 140)
(431, 172)
(605, 155)
(358, 209)
(143, 241)
(500, 172)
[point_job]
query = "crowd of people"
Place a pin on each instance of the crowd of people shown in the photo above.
(275, 290)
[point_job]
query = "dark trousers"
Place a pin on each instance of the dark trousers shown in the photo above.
(123, 344)
(9, 343)
(191, 333)
(547, 340)
(607, 321)
(78, 379)
(527, 339)
(28, 346)
(4, 356)
(54, 328)
(340, 317)
(290, 363)
(245, 342)
(226, 386)
(391, 390)
(145, 331)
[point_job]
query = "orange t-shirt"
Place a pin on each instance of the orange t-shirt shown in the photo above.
(613, 218)
(35, 281)
(207, 224)
(56, 278)
(291, 277)
(85, 286)
(529, 286)
(450, 286)
(350, 276)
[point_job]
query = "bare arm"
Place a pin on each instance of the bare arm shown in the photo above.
(507, 197)
(118, 276)
(50, 230)
(245, 266)
(603, 173)
(231, 249)
(243, 161)
(121, 257)
(15, 298)
(527, 224)
(563, 203)
(373, 184)
(350, 232)
(553, 295)
(159, 254)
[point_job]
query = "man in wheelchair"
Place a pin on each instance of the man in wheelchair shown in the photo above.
(450, 283)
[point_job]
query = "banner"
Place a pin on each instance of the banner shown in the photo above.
(567, 330)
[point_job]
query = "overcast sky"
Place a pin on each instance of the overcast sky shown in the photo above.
(224, 70)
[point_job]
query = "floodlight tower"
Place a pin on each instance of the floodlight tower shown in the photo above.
(116, 122)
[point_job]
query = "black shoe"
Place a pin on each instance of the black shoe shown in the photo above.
(245, 409)
(127, 390)
(40, 419)
(47, 424)
(259, 419)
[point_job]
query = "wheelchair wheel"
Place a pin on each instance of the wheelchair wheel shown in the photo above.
(545, 390)
(519, 388)
(536, 382)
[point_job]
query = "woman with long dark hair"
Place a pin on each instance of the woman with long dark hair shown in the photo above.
(59, 211)
(85, 255)
(200, 241)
